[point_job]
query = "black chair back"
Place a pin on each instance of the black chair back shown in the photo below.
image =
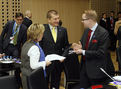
(118, 54)
(110, 66)
(8, 82)
(71, 69)
(36, 79)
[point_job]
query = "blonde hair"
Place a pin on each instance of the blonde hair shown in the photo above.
(91, 14)
(34, 31)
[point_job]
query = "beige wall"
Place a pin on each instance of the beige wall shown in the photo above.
(70, 13)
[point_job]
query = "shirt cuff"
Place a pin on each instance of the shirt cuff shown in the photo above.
(83, 52)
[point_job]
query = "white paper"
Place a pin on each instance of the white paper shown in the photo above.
(118, 78)
(53, 57)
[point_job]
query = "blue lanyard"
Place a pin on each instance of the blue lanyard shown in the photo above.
(14, 29)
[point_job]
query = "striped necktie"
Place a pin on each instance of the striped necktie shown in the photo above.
(15, 36)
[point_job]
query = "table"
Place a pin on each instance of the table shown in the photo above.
(104, 84)
(10, 70)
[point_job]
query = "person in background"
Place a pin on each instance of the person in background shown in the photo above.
(28, 15)
(32, 54)
(60, 22)
(54, 41)
(103, 21)
(13, 36)
(119, 16)
(93, 48)
(111, 25)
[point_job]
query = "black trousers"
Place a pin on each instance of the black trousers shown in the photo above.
(55, 79)
(11, 50)
(85, 81)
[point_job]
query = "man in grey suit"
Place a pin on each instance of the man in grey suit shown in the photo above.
(93, 47)
(13, 35)
(55, 41)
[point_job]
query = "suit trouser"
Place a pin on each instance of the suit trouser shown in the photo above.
(55, 79)
(85, 81)
(11, 50)
(113, 39)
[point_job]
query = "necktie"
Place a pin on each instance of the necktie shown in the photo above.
(54, 34)
(15, 36)
(111, 21)
(87, 42)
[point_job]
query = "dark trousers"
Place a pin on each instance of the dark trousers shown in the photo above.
(55, 79)
(85, 81)
(11, 50)
(113, 40)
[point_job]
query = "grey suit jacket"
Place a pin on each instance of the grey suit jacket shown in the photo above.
(95, 54)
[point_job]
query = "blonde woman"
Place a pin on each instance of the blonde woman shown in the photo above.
(32, 54)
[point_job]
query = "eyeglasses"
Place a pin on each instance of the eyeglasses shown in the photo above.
(19, 19)
(84, 19)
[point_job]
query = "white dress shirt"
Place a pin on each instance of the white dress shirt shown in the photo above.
(34, 55)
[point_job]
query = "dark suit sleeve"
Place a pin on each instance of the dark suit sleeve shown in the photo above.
(97, 51)
(66, 45)
(4, 31)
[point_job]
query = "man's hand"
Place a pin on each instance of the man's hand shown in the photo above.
(79, 51)
(77, 46)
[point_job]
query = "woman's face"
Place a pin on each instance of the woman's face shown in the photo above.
(40, 37)
(104, 16)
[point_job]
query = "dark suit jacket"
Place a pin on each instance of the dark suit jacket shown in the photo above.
(119, 36)
(27, 22)
(95, 55)
(109, 24)
(61, 46)
(7, 33)
(103, 24)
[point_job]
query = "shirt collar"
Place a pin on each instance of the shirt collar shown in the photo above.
(51, 27)
(94, 27)
(27, 17)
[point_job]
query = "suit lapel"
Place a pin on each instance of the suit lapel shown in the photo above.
(58, 32)
(93, 37)
(48, 31)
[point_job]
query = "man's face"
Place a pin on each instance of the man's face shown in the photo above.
(54, 20)
(111, 14)
(85, 21)
(19, 20)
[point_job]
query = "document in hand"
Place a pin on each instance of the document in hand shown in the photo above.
(53, 57)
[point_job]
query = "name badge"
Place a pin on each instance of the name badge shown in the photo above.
(12, 38)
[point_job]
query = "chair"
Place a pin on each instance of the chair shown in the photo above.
(71, 69)
(110, 66)
(8, 82)
(36, 79)
(118, 54)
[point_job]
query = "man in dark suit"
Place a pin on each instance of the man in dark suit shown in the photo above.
(119, 36)
(27, 22)
(54, 44)
(111, 25)
(13, 35)
(93, 47)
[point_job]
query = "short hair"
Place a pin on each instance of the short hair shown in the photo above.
(91, 14)
(103, 14)
(34, 31)
(27, 12)
(19, 15)
(60, 22)
(112, 12)
(51, 12)
(118, 13)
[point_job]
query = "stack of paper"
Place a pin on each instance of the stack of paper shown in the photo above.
(53, 57)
